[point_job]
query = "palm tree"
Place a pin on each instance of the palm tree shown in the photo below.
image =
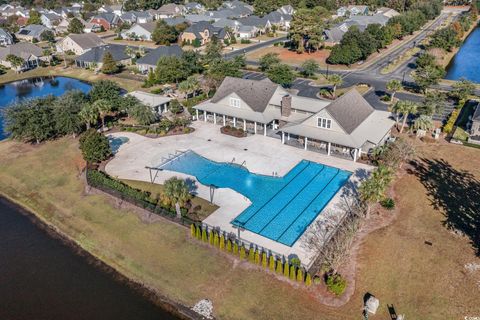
(336, 81)
(423, 122)
(104, 107)
(373, 189)
(191, 84)
(176, 191)
(89, 114)
(142, 113)
(394, 86)
(404, 107)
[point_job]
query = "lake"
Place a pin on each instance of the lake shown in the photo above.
(466, 63)
(42, 278)
(36, 87)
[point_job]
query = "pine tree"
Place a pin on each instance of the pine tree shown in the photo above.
(199, 233)
(272, 263)
(299, 275)
(257, 257)
(109, 66)
(216, 241)
(222, 242)
(264, 260)
(292, 272)
(286, 270)
(229, 245)
(308, 280)
(243, 254)
(235, 248)
(279, 266)
(192, 230)
(211, 238)
(251, 255)
(204, 235)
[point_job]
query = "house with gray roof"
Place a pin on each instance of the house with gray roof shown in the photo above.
(170, 10)
(31, 54)
(352, 10)
(140, 31)
(93, 58)
(202, 32)
(79, 43)
(132, 17)
(175, 21)
(347, 127)
(335, 34)
(262, 24)
(50, 20)
(31, 32)
(278, 19)
(149, 61)
(5, 38)
(158, 103)
(195, 7)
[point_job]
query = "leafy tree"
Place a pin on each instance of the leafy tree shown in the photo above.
(170, 69)
(216, 240)
(268, 60)
(292, 272)
(220, 69)
(424, 60)
(404, 107)
(142, 113)
(462, 89)
(89, 114)
(75, 26)
(104, 89)
(251, 255)
(15, 61)
(264, 260)
(344, 54)
(176, 192)
(109, 65)
(47, 35)
(423, 122)
(164, 34)
(433, 103)
(393, 86)
(198, 233)
(427, 76)
(94, 146)
(309, 67)
(213, 51)
(306, 28)
(445, 38)
(190, 85)
(191, 62)
(336, 80)
(34, 17)
(104, 107)
(372, 190)
(257, 257)
(66, 113)
(281, 74)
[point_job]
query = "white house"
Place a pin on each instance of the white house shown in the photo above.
(158, 103)
(5, 38)
(140, 31)
(79, 43)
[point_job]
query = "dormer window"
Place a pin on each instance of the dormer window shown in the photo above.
(234, 102)
(324, 123)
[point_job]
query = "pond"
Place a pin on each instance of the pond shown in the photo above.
(36, 87)
(466, 64)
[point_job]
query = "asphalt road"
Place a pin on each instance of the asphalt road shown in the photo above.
(253, 47)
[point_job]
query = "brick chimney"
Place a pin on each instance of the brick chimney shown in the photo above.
(286, 105)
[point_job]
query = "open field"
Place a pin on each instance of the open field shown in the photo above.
(421, 281)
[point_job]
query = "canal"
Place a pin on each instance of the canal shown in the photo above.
(466, 63)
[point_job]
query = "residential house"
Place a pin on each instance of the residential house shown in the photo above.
(31, 32)
(132, 17)
(262, 24)
(158, 103)
(21, 21)
(62, 27)
(286, 9)
(93, 58)
(281, 20)
(388, 12)
(247, 32)
(90, 26)
(6, 38)
(240, 8)
(352, 10)
(50, 20)
(115, 9)
(175, 21)
(202, 32)
(106, 20)
(79, 43)
(475, 125)
(195, 8)
(234, 25)
(31, 54)
(193, 18)
(149, 61)
(347, 127)
(170, 10)
(140, 31)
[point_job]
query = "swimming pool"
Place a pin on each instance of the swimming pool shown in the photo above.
(282, 207)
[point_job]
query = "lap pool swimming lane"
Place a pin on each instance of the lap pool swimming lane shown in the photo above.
(282, 207)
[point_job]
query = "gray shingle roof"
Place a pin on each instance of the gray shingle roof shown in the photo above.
(86, 40)
(253, 21)
(22, 50)
(96, 54)
(152, 57)
(33, 30)
(476, 114)
(256, 94)
(174, 21)
(350, 110)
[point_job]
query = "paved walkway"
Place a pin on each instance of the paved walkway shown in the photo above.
(263, 155)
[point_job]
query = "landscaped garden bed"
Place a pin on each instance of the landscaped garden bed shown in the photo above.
(234, 132)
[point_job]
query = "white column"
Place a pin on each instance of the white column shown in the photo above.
(255, 127)
(234, 122)
(328, 150)
(166, 108)
(306, 143)
(273, 125)
(265, 129)
(355, 155)
(283, 137)
(244, 125)
(224, 121)
(214, 118)
(197, 114)
(205, 116)
(288, 136)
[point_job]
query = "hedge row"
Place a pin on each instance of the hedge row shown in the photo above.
(253, 255)
(448, 127)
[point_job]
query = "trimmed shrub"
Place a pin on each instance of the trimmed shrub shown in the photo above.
(235, 248)
(229, 245)
(299, 275)
(251, 255)
(211, 238)
(216, 240)
(272, 263)
(448, 127)
(308, 280)
(192, 230)
(295, 262)
(388, 203)
(243, 254)
(204, 235)
(264, 260)
(292, 272)
(198, 233)
(222, 242)
(336, 284)
(317, 280)
(279, 266)
(286, 270)
(257, 257)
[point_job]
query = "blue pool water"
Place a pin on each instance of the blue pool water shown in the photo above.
(36, 87)
(116, 143)
(282, 207)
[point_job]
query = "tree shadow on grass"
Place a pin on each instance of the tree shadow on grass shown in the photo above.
(456, 193)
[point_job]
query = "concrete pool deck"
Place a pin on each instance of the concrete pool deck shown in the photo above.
(260, 154)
